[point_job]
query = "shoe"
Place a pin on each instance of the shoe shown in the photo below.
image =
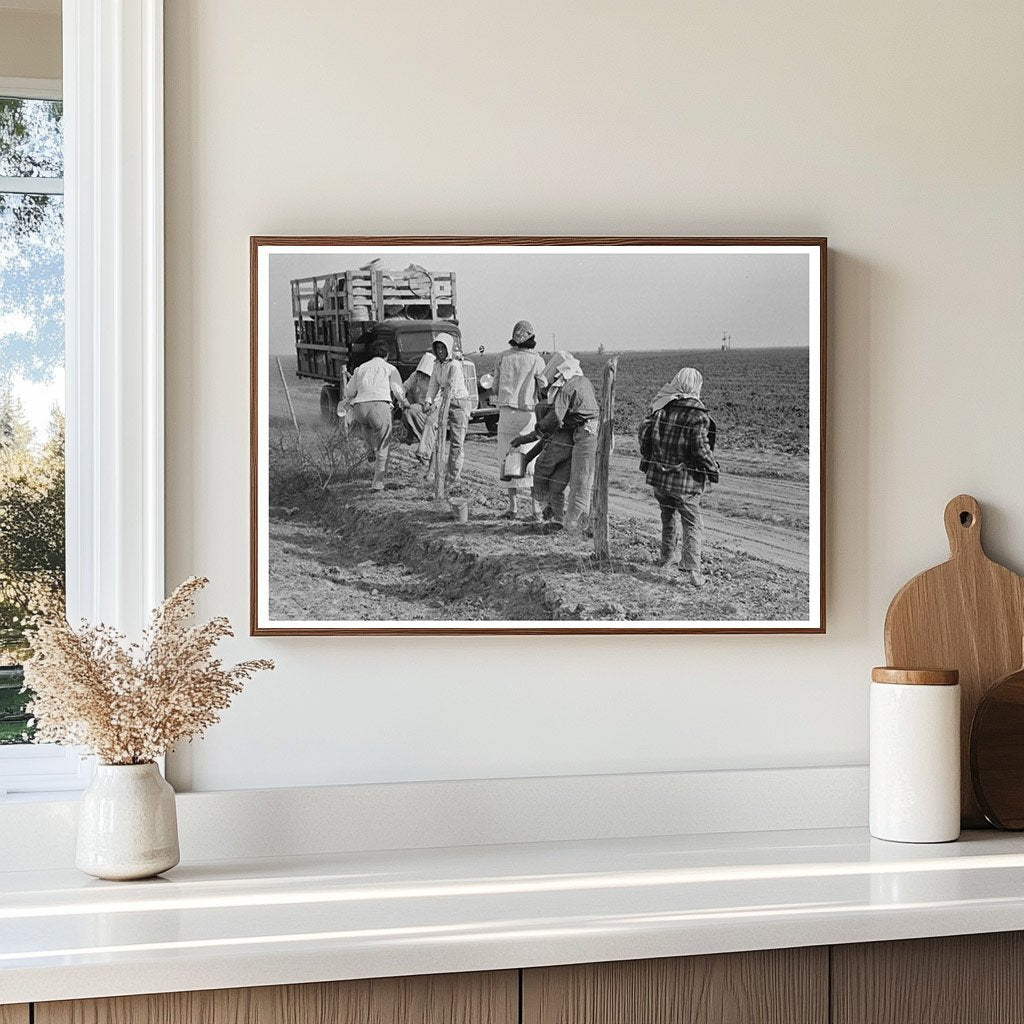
(696, 579)
(377, 485)
(667, 561)
(553, 527)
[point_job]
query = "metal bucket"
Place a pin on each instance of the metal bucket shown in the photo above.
(514, 465)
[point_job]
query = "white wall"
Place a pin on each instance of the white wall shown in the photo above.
(895, 129)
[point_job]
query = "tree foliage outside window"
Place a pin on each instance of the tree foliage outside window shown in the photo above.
(31, 355)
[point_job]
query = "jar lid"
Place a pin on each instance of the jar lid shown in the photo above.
(916, 676)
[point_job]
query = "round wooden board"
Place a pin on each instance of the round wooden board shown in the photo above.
(997, 752)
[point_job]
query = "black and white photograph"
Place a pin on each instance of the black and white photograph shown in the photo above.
(537, 435)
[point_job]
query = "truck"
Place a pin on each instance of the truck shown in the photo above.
(338, 317)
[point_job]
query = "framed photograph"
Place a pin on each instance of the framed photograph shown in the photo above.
(537, 435)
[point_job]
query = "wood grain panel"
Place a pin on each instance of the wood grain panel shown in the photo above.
(962, 979)
(778, 986)
(14, 1014)
(483, 998)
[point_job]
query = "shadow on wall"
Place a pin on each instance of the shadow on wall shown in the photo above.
(853, 288)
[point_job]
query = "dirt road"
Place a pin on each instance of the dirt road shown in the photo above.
(735, 511)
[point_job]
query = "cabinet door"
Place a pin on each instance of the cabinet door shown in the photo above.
(962, 979)
(14, 1014)
(779, 986)
(490, 998)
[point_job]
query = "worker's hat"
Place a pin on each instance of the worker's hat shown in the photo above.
(521, 333)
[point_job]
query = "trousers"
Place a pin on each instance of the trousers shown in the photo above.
(686, 511)
(374, 422)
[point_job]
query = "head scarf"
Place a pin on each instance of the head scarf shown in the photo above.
(562, 366)
(426, 363)
(522, 334)
(453, 345)
(685, 384)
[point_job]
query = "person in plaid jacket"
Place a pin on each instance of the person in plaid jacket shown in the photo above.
(676, 442)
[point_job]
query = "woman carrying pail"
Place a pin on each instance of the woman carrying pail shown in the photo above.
(569, 430)
(519, 380)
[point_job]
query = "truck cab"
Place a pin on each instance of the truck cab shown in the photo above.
(407, 341)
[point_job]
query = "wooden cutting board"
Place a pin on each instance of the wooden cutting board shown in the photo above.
(967, 614)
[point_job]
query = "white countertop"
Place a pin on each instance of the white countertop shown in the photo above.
(227, 924)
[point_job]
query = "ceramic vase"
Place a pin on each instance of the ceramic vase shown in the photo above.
(127, 825)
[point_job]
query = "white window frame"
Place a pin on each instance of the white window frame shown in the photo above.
(114, 345)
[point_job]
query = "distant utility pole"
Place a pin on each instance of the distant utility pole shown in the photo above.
(726, 341)
(554, 344)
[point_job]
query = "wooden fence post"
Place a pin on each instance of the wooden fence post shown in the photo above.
(605, 433)
(344, 424)
(440, 483)
(288, 397)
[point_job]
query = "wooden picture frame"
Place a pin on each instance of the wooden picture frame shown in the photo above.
(735, 280)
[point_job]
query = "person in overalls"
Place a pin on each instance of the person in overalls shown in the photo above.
(569, 455)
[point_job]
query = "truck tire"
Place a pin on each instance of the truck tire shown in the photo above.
(330, 396)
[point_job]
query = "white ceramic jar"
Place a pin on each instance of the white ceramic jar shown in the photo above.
(127, 823)
(915, 755)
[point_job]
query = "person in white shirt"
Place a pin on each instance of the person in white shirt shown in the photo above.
(371, 390)
(448, 376)
(519, 380)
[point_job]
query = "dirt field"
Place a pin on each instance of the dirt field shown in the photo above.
(758, 397)
(344, 554)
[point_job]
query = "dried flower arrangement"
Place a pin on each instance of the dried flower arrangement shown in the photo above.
(130, 703)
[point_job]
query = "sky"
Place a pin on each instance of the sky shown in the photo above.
(32, 265)
(39, 399)
(625, 302)
(42, 393)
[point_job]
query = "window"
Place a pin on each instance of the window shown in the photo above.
(112, 211)
(32, 530)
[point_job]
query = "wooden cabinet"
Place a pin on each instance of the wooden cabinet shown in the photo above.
(962, 979)
(491, 998)
(778, 986)
(968, 979)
